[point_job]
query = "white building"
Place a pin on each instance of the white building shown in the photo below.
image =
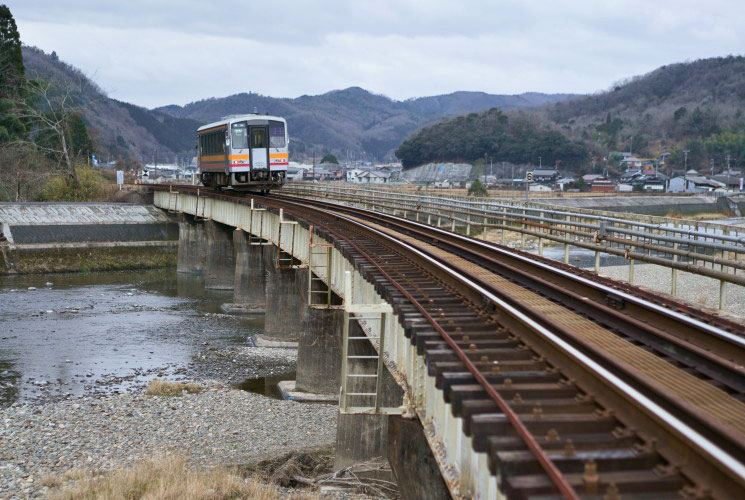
(367, 176)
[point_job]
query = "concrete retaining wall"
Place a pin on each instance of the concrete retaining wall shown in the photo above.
(645, 205)
(52, 237)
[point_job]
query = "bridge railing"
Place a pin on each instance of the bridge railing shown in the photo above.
(703, 248)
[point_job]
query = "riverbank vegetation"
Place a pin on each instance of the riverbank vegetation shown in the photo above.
(166, 478)
(45, 145)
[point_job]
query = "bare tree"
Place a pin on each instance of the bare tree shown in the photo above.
(23, 172)
(50, 111)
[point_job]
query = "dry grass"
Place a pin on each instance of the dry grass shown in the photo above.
(160, 387)
(50, 481)
(170, 478)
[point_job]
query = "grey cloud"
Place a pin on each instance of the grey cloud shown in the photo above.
(157, 52)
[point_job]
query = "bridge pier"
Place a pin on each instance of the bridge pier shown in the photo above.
(220, 265)
(361, 437)
(250, 273)
(285, 308)
(319, 347)
(192, 245)
(413, 465)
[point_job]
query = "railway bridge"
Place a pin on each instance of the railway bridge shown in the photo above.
(479, 371)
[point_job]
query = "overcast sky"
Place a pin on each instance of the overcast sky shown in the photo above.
(157, 52)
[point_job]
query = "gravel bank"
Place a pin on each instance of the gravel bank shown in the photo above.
(218, 426)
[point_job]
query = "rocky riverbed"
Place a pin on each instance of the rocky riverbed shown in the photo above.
(76, 352)
(217, 426)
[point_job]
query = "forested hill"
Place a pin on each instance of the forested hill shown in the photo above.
(697, 106)
(354, 119)
(120, 130)
(519, 138)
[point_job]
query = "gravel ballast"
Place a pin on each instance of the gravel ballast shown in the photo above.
(217, 426)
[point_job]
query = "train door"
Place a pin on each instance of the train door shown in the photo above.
(239, 155)
(259, 148)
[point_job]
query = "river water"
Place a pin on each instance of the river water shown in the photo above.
(64, 335)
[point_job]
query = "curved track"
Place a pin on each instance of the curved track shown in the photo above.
(571, 386)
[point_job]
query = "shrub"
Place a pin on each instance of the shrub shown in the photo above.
(477, 188)
(60, 188)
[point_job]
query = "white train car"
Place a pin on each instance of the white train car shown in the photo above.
(244, 152)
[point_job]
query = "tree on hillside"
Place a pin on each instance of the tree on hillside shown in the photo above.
(57, 130)
(11, 78)
(11, 61)
(329, 158)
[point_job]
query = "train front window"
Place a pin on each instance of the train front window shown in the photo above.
(240, 136)
(277, 134)
(258, 138)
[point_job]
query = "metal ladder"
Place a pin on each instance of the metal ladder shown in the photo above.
(253, 239)
(286, 260)
(365, 313)
(321, 297)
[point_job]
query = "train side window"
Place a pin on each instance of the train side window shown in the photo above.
(277, 134)
(240, 136)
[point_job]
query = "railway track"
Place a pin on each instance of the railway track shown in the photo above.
(572, 387)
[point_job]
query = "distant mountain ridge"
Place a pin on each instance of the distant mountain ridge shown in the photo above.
(693, 113)
(353, 119)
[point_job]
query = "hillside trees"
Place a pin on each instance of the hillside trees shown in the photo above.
(520, 139)
(58, 129)
(329, 158)
(42, 133)
(11, 77)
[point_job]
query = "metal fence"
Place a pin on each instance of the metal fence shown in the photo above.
(702, 248)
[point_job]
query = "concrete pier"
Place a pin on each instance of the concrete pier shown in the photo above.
(220, 261)
(319, 351)
(319, 347)
(363, 437)
(412, 462)
(285, 308)
(250, 273)
(192, 246)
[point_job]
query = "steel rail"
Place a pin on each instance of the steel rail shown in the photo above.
(699, 441)
(628, 242)
(734, 467)
(735, 340)
(448, 202)
(515, 216)
(673, 264)
(549, 467)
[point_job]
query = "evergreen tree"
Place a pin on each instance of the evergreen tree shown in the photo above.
(11, 78)
(11, 59)
(80, 141)
(329, 158)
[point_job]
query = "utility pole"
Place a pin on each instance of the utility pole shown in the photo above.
(727, 157)
(540, 161)
(485, 156)
(685, 159)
